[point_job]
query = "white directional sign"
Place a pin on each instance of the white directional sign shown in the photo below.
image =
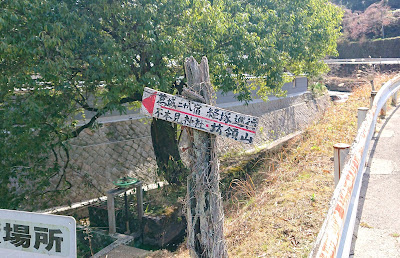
(199, 116)
(28, 234)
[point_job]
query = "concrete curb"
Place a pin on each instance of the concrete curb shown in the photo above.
(121, 239)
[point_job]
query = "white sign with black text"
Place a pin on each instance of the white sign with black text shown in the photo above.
(199, 116)
(29, 234)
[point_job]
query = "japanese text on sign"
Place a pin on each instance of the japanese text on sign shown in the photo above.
(37, 233)
(21, 235)
(200, 116)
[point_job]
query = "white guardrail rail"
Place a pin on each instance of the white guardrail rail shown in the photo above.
(335, 236)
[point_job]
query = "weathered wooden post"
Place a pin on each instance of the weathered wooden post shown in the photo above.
(204, 205)
(205, 214)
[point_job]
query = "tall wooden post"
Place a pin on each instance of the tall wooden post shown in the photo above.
(205, 215)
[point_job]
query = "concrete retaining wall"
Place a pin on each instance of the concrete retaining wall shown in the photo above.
(124, 148)
(278, 118)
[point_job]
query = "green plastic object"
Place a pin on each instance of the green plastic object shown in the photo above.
(125, 182)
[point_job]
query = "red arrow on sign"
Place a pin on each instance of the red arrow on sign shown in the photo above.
(148, 103)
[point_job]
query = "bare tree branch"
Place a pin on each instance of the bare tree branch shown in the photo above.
(99, 112)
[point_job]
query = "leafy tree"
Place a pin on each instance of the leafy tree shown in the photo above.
(61, 58)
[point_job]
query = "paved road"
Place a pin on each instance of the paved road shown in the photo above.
(378, 218)
(363, 61)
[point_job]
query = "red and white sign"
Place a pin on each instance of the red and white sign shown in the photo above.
(199, 116)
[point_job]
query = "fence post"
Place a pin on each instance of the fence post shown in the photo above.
(139, 202)
(112, 229)
(394, 99)
(340, 151)
(139, 199)
(361, 114)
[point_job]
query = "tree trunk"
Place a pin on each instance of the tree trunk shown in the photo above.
(204, 206)
(166, 150)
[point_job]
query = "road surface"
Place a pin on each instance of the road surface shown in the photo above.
(377, 232)
(371, 61)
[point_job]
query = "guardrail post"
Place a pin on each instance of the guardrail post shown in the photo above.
(394, 99)
(361, 114)
(383, 111)
(373, 94)
(372, 84)
(340, 151)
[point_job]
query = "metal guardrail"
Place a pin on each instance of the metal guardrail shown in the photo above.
(335, 236)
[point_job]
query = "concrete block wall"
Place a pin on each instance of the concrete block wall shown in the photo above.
(278, 118)
(99, 157)
(124, 148)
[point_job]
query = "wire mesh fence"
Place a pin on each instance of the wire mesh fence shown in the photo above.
(124, 148)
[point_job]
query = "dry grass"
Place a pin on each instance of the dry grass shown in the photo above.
(278, 211)
(365, 225)
(284, 216)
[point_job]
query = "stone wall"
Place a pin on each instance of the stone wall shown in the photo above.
(124, 148)
(99, 157)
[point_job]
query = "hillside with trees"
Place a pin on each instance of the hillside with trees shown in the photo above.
(376, 21)
(361, 5)
(369, 29)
